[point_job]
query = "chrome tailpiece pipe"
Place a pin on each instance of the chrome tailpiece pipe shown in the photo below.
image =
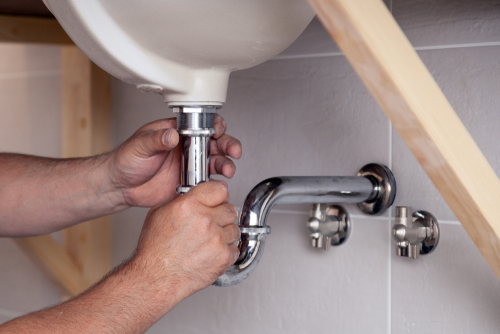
(374, 189)
(195, 125)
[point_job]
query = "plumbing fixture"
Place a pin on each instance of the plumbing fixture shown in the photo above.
(195, 125)
(329, 225)
(374, 190)
(184, 50)
(415, 234)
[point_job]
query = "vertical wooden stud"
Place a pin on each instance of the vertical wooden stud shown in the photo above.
(86, 131)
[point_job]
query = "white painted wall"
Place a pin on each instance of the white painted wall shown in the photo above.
(304, 113)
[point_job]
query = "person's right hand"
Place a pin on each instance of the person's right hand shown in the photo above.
(188, 243)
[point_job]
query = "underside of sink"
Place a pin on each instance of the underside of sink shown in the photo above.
(184, 50)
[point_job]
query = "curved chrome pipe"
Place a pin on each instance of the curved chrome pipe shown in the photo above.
(294, 190)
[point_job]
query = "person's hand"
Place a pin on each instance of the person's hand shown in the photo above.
(187, 244)
(146, 168)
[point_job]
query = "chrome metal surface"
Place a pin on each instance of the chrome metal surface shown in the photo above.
(329, 225)
(385, 185)
(195, 160)
(416, 233)
(432, 226)
(195, 125)
(294, 190)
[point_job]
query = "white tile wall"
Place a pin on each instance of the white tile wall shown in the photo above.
(314, 41)
(297, 289)
(293, 118)
(451, 291)
(448, 22)
(30, 124)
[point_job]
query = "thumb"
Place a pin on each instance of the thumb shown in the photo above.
(158, 141)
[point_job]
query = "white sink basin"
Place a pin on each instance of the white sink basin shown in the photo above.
(182, 49)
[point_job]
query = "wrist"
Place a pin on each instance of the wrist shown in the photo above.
(114, 190)
(155, 284)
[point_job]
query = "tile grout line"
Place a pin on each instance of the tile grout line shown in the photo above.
(312, 55)
(417, 48)
(456, 46)
(355, 216)
(449, 222)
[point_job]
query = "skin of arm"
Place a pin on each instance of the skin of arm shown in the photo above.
(42, 195)
(184, 246)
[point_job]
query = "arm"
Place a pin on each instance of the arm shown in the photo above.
(183, 248)
(41, 195)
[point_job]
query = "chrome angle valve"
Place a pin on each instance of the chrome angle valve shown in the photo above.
(416, 233)
(329, 225)
(195, 125)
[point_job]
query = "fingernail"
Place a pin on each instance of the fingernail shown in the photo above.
(224, 184)
(224, 123)
(167, 137)
(232, 169)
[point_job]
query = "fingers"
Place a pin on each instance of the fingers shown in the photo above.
(151, 143)
(226, 145)
(231, 233)
(211, 194)
(235, 253)
(222, 165)
(219, 126)
(225, 214)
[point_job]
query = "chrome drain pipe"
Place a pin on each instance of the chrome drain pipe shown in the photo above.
(195, 125)
(374, 189)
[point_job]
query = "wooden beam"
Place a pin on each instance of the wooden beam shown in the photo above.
(21, 29)
(391, 69)
(55, 262)
(86, 131)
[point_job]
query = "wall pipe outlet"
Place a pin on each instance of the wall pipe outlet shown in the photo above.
(374, 189)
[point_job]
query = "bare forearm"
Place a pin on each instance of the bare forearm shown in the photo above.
(41, 195)
(128, 301)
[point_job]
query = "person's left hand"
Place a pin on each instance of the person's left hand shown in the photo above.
(146, 168)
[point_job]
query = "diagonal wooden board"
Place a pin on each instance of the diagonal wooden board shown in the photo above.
(391, 69)
(55, 262)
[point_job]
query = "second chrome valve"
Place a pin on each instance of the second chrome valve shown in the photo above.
(416, 233)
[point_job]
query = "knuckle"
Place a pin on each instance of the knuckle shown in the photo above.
(184, 204)
(205, 224)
